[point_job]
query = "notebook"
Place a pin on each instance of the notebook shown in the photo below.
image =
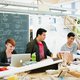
(17, 60)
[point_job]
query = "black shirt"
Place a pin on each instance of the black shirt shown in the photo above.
(3, 58)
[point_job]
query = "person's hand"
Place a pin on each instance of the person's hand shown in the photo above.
(67, 56)
(52, 56)
(60, 55)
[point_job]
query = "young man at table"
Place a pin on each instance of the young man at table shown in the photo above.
(38, 46)
(70, 47)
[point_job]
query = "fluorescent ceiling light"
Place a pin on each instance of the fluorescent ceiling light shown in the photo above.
(16, 7)
(22, 1)
(1, 6)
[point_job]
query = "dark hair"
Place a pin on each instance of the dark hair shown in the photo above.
(71, 34)
(11, 41)
(40, 31)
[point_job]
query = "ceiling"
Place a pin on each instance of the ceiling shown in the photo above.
(39, 6)
(55, 1)
(43, 1)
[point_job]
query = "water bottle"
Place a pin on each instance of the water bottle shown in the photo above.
(34, 56)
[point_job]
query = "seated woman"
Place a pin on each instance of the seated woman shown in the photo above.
(5, 56)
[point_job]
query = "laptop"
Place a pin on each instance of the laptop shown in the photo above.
(17, 60)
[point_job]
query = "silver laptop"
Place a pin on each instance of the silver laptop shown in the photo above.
(17, 60)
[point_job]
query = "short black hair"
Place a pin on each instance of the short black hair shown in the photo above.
(70, 34)
(40, 31)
